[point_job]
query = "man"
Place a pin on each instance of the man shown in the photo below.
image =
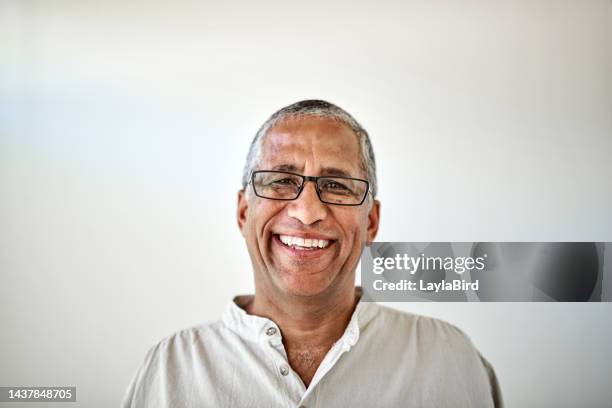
(306, 210)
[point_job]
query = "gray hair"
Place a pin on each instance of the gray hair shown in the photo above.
(321, 109)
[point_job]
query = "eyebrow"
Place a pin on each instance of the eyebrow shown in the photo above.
(326, 171)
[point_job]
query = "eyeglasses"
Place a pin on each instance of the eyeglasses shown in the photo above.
(280, 185)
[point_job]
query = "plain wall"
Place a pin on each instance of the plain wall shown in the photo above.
(124, 127)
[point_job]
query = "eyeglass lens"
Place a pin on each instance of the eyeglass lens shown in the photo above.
(287, 186)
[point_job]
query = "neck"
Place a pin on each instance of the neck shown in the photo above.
(306, 321)
(309, 326)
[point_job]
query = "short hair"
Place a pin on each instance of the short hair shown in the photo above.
(321, 109)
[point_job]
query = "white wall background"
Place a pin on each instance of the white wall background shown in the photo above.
(123, 129)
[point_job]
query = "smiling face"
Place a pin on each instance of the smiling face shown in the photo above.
(304, 247)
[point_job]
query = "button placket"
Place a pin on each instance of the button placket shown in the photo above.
(287, 380)
(273, 337)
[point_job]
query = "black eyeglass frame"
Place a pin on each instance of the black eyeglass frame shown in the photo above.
(314, 179)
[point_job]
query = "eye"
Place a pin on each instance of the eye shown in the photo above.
(336, 187)
(284, 182)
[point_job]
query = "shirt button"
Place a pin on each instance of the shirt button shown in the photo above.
(271, 331)
(284, 370)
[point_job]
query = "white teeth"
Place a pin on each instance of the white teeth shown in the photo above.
(303, 243)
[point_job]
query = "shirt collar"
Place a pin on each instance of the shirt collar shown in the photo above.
(257, 328)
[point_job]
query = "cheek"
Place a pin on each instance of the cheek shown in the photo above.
(355, 227)
(260, 214)
(251, 224)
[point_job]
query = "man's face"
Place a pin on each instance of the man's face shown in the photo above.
(313, 147)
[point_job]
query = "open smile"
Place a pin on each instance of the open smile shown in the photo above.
(303, 243)
(303, 246)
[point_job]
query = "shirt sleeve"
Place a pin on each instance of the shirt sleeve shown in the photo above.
(137, 392)
(496, 393)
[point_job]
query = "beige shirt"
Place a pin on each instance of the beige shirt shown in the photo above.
(385, 358)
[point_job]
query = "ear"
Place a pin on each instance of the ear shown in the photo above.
(373, 220)
(241, 210)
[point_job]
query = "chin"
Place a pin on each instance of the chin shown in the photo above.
(304, 285)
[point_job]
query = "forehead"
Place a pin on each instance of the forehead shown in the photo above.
(311, 143)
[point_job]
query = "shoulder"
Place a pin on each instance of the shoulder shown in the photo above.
(187, 341)
(167, 373)
(439, 351)
(169, 359)
(430, 343)
(423, 329)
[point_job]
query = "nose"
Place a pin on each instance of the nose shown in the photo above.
(307, 208)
